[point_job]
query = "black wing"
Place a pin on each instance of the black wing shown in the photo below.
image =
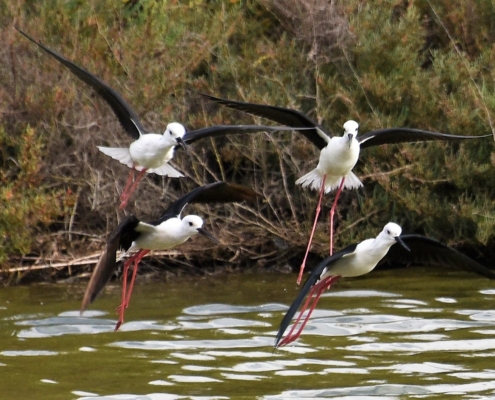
(403, 135)
(120, 238)
(125, 114)
(281, 115)
(217, 192)
(313, 278)
(220, 130)
(429, 251)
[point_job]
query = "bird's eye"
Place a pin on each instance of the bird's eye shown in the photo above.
(388, 232)
(170, 133)
(190, 224)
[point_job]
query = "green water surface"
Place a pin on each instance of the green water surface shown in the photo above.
(411, 333)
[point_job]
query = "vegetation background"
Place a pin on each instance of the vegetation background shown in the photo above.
(385, 63)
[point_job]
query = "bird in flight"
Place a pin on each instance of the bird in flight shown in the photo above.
(338, 155)
(361, 258)
(137, 238)
(149, 152)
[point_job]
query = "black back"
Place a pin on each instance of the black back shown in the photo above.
(125, 114)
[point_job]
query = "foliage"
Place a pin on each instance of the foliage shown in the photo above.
(410, 63)
(25, 205)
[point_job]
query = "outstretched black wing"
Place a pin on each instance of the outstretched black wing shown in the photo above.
(125, 114)
(120, 238)
(429, 251)
(217, 192)
(313, 278)
(406, 135)
(286, 116)
(220, 130)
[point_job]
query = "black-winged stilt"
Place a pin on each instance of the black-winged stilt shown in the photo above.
(150, 152)
(170, 230)
(361, 258)
(338, 154)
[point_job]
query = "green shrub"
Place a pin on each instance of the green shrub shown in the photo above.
(26, 204)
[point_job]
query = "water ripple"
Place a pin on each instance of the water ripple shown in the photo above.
(447, 345)
(215, 309)
(195, 344)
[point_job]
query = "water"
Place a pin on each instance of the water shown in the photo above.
(411, 333)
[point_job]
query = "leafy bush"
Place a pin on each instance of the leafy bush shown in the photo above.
(25, 204)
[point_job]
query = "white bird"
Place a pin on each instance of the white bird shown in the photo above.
(338, 155)
(138, 238)
(150, 152)
(361, 258)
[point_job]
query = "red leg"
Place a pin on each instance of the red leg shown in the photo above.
(303, 309)
(138, 259)
(128, 184)
(319, 288)
(126, 194)
(120, 309)
(318, 209)
(125, 297)
(332, 212)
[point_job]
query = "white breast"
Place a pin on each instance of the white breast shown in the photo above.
(161, 237)
(337, 159)
(363, 260)
(151, 151)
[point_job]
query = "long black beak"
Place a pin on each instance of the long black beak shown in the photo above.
(183, 145)
(208, 235)
(398, 239)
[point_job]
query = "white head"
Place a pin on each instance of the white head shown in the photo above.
(391, 235)
(192, 225)
(174, 132)
(391, 230)
(351, 128)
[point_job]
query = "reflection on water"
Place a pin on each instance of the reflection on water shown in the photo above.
(416, 334)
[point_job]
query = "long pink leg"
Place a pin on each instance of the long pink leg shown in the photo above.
(291, 337)
(126, 194)
(122, 307)
(318, 209)
(301, 313)
(138, 259)
(128, 184)
(332, 212)
(319, 288)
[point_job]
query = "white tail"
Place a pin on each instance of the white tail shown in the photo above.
(166, 170)
(352, 181)
(313, 180)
